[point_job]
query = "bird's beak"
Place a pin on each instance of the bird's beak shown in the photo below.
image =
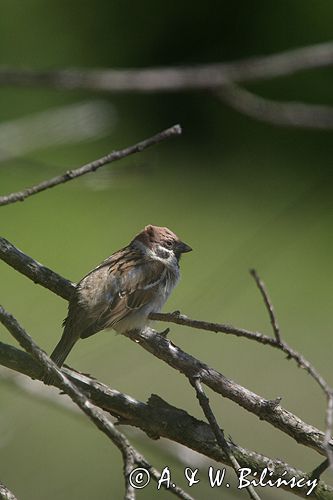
(183, 248)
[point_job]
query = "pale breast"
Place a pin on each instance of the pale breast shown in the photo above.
(121, 295)
(139, 318)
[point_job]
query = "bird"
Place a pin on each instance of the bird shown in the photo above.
(123, 290)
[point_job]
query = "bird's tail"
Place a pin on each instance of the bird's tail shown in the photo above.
(60, 353)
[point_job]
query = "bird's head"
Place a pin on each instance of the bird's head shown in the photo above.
(161, 243)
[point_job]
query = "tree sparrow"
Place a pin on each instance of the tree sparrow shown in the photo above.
(122, 291)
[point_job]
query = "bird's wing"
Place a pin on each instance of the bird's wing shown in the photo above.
(132, 282)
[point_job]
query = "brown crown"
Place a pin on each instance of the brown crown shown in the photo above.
(151, 235)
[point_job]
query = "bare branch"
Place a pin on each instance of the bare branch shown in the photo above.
(220, 77)
(163, 349)
(95, 414)
(287, 114)
(173, 488)
(180, 319)
(92, 166)
(190, 367)
(175, 78)
(329, 426)
(301, 361)
(218, 432)
(268, 304)
(318, 471)
(34, 270)
(112, 401)
(157, 418)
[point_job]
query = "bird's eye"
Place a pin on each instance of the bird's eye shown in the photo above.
(168, 244)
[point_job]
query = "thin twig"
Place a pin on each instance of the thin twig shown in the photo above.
(301, 361)
(173, 488)
(218, 432)
(92, 166)
(318, 471)
(286, 114)
(180, 319)
(174, 78)
(277, 343)
(268, 304)
(130, 456)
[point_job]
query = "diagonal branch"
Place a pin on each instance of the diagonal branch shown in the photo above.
(183, 362)
(218, 432)
(265, 409)
(100, 395)
(130, 456)
(304, 363)
(181, 319)
(268, 304)
(35, 271)
(157, 418)
(281, 344)
(91, 167)
(94, 413)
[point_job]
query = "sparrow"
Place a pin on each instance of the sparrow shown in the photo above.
(124, 289)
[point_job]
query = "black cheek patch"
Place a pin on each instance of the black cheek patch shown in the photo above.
(162, 253)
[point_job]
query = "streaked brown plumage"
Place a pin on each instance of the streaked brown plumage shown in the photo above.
(122, 291)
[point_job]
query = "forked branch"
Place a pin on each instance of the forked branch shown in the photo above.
(157, 418)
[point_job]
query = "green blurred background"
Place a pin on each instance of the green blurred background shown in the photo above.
(243, 194)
